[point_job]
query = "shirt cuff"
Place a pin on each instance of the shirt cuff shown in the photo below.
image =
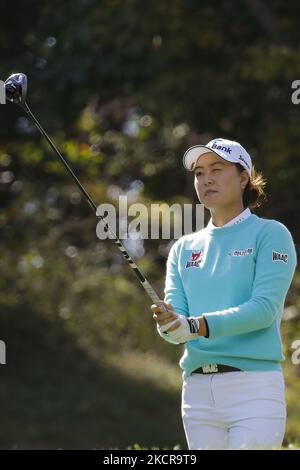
(207, 328)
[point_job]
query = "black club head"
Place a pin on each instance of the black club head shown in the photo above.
(16, 88)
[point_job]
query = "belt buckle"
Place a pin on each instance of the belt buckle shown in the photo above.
(210, 369)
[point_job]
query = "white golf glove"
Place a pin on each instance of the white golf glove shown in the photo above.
(186, 331)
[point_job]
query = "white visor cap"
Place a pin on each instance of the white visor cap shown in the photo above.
(228, 149)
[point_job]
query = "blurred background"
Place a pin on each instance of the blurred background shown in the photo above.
(124, 87)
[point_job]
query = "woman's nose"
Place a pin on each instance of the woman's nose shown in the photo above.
(208, 179)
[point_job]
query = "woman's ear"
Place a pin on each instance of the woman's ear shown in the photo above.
(244, 179)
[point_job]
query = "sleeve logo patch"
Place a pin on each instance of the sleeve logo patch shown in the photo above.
(276, 256)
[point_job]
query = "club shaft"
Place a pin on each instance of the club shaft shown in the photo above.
(64, 162)
(146, 285)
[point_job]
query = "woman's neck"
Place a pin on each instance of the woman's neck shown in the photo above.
(222, 217)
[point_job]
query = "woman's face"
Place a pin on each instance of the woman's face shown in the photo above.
(218, 183)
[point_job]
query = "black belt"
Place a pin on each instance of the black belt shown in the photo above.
(214, 369)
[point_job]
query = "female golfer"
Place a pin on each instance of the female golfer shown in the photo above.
(224, 297)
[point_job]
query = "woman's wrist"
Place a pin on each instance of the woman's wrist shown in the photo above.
(202, 327)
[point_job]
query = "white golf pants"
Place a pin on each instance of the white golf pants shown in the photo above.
(234, 410)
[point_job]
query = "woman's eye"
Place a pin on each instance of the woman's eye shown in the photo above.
(199, 173)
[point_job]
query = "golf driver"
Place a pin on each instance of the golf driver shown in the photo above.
(16, 89)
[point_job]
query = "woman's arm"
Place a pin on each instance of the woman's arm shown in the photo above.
(174, 291)
(276, 261)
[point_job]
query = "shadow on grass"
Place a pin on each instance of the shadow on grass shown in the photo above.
(53, 395)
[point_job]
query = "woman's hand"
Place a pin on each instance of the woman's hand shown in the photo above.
(162, 315)
(178, 327)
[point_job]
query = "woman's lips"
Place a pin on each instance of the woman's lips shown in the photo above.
(210, 191)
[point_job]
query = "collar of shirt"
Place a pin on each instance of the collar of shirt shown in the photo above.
(236, 220)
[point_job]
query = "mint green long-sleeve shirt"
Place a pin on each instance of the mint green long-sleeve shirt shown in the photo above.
(237, 277)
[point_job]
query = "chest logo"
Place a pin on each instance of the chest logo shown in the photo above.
(195, 259)
(247, 251)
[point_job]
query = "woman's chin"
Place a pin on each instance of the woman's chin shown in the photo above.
(210, 204)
